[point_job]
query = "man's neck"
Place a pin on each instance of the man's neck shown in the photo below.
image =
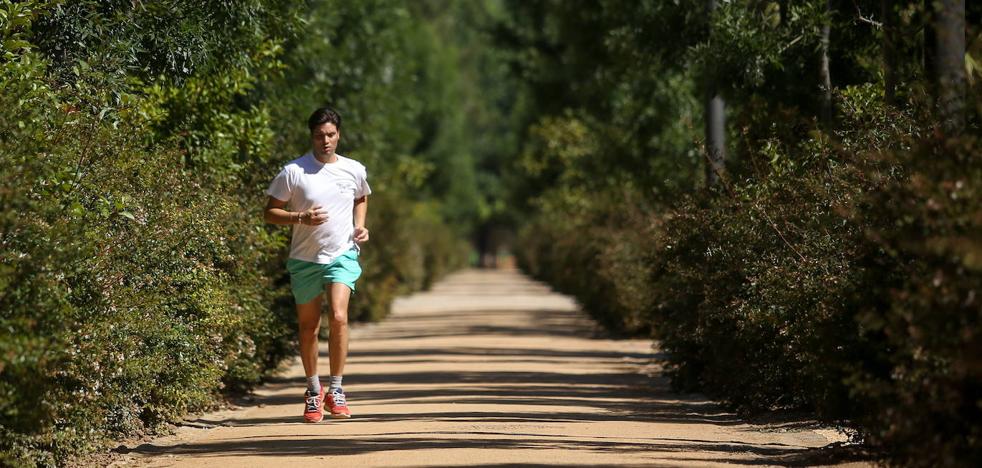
(333, 157)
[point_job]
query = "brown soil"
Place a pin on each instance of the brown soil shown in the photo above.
(488, 369)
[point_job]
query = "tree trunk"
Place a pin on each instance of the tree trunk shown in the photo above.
(930, 46)
(715, 115)
(715, 137)
(826, 111)
(889, 52)
(949, 33)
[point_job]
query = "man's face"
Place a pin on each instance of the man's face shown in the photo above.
(324, 140)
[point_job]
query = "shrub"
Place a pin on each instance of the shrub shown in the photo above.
(837, 274)
(924, 402)
(137, 280)
(127, 303)
(765, 282)
(590, 242)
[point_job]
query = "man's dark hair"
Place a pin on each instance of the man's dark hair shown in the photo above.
(322, 116)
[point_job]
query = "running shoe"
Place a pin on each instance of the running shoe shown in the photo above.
(313, 409)
(337, 403)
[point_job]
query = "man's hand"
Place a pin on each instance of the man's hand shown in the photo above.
(361, 235)
(314, 216)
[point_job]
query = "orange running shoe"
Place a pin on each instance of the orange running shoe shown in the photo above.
(337, 403)
(313, 410)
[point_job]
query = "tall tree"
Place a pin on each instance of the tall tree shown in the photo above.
(889, 51)
(826, 99)
(715, 115)
(949, 33)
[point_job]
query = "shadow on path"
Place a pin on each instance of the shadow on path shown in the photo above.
(554, 386)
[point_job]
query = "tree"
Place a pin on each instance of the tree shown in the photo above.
(715, 116)
(889, 51)
(949, 43)
(826, 98)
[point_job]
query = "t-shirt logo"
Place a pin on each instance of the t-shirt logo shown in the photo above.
(346, 187)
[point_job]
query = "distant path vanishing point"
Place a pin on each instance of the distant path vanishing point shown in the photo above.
(487, 369)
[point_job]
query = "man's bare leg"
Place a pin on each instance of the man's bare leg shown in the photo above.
(309, 319)
(338, 345)
(338, 322)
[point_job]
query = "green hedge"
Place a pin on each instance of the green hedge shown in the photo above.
(138, 281)
(924, 400)
(846, 282)
(601, 258)
(132, 294)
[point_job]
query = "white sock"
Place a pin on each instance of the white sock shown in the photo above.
(314, 384)
(335, 384)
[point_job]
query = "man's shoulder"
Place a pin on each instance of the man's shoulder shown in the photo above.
(350, 162)
(297, 164)
(346, 160)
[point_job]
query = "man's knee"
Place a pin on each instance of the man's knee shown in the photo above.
(310, 327)
(339, 316)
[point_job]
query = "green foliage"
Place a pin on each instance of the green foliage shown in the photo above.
(407, 261)
(601, 258)
(751, 43)
(589, 239)
(927, 392)
(835, 269)
(128, 278)
(118, 288)
(138, 281)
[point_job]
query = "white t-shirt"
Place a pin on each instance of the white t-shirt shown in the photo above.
(306, 182)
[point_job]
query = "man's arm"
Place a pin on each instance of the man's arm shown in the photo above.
(276, 213)
(360, 213)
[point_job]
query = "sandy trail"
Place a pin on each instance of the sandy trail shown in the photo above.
(488, 368)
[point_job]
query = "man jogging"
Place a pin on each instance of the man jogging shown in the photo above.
(325, 196)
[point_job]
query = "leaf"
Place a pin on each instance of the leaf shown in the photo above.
(14, 44)
(127, 215)
(972, 67)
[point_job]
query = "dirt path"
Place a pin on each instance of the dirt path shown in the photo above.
(488, 368)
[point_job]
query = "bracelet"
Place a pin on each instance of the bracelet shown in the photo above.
(300, 217)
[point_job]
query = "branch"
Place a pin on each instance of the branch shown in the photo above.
(864, 19)
(770, 222)
(779, 233)
(719, 174)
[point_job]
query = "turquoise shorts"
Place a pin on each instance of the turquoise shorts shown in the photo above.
(308, 279)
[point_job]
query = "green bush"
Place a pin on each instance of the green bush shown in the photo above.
(132, 294)
(924, 401)
(137, 279)
(834, 268)
(841, 277)
(604, 266)
(592, 243)
(847, 289)
(765, 282)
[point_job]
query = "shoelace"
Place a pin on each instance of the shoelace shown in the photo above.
(313, 403)
(339, 399)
